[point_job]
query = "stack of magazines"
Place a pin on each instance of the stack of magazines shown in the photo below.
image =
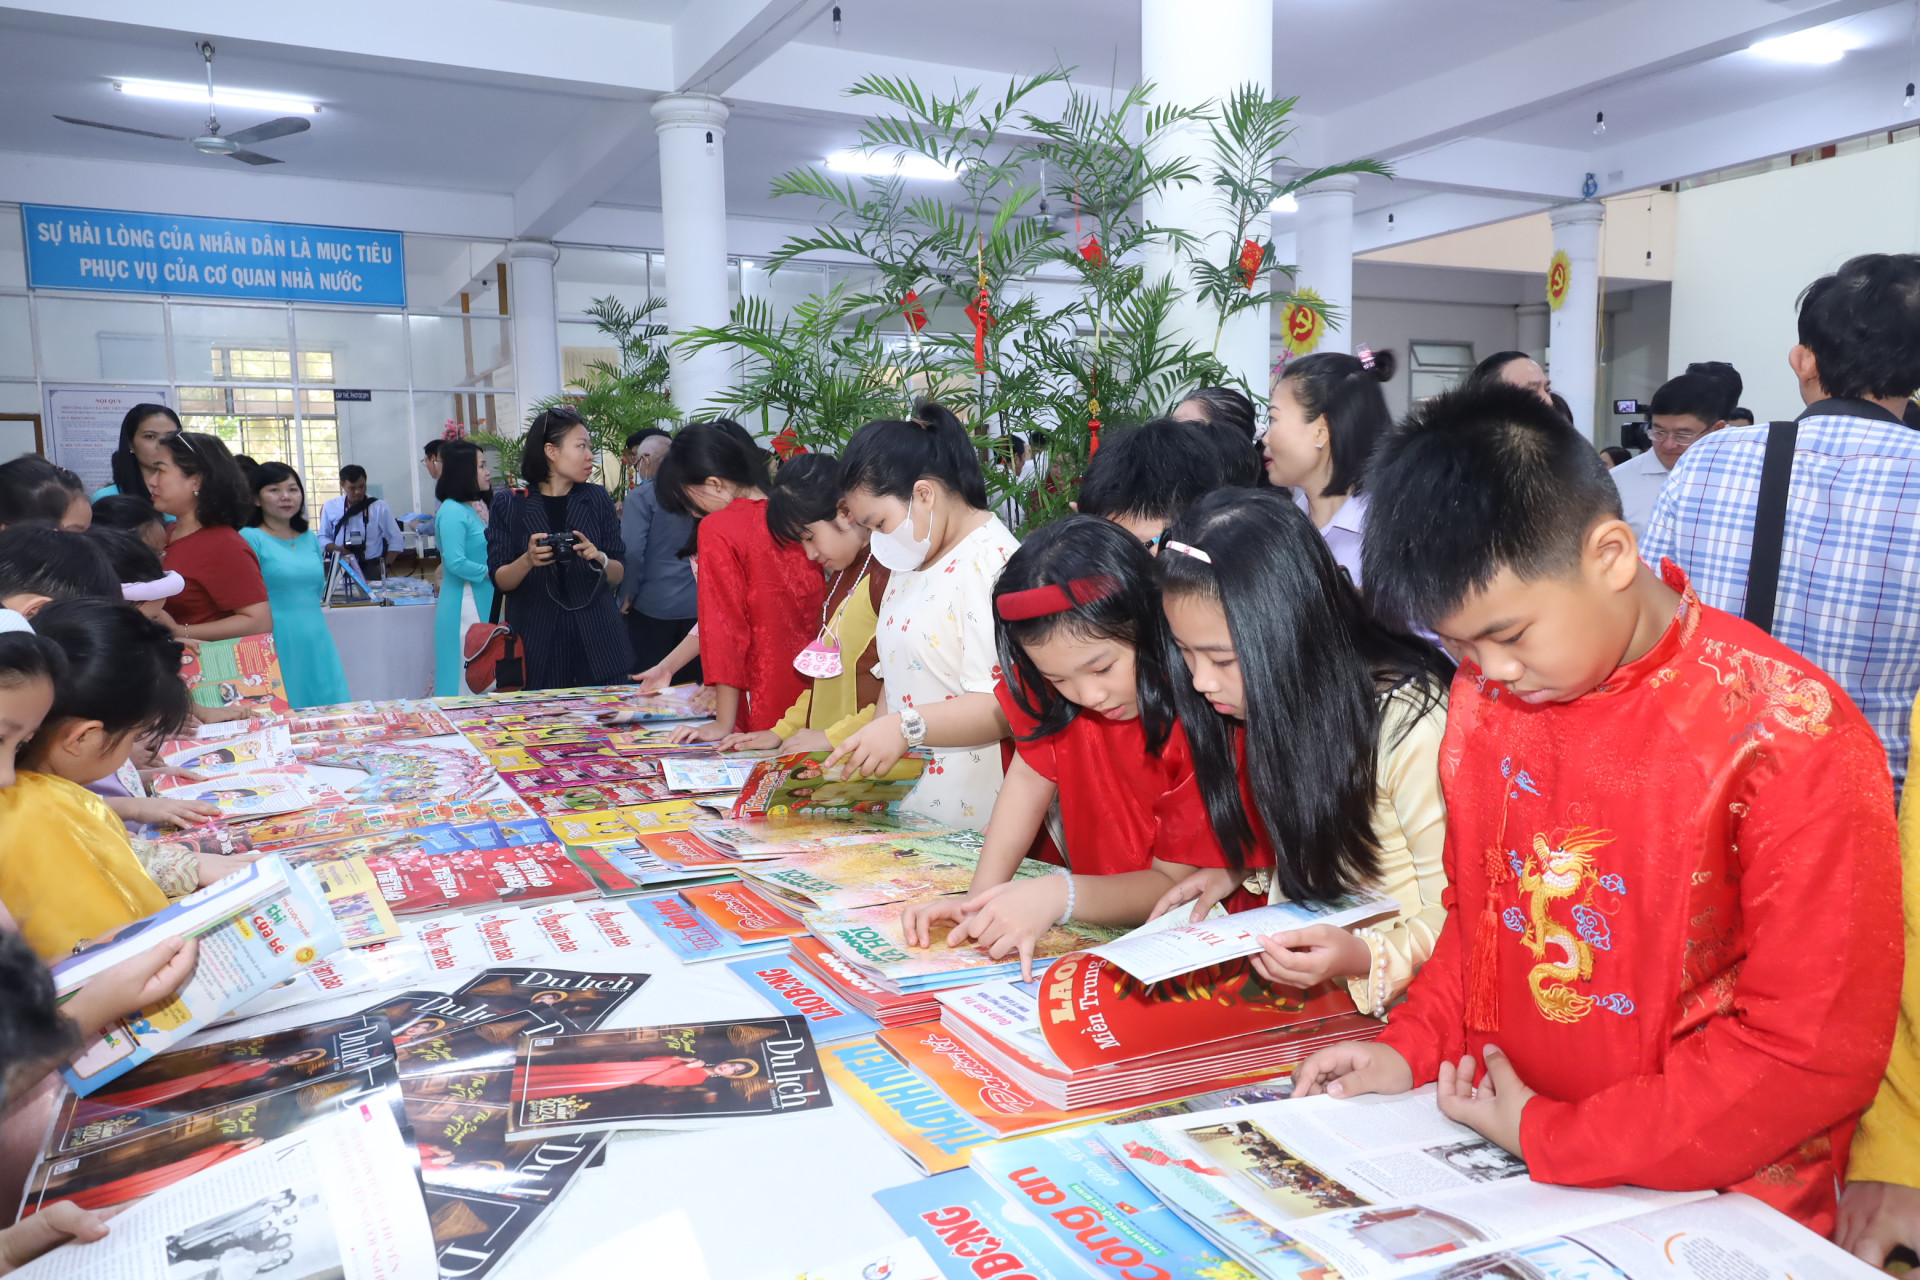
(1088, 1035)
(1377, 1188)
(873, 941)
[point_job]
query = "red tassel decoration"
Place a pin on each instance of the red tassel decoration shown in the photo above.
(1092, 251)
(1483, 965)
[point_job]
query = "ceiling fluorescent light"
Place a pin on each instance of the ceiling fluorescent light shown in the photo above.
(241, 99)
(881, 166)
(1288, 203)
(1811, 48)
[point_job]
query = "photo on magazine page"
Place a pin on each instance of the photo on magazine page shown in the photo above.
(160, 1157)
(287, 1233)
(183, 1082)
(688, 1072)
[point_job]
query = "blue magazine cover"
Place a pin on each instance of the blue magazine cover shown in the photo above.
(792, 990)
(1098, 1212)
(970, 1231)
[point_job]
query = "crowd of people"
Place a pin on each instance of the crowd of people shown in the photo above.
(1644, 856)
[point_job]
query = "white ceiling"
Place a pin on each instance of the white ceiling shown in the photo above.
(1485, 106)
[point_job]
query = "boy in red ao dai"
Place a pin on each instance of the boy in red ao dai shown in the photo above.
(1674, 929)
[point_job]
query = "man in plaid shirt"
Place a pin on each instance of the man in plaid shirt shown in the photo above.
(1849, 599)
(1849, 596)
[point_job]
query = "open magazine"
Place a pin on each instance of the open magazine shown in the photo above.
(256, 928)
(1160, 950)
(337, 1198)
(1377, 1188)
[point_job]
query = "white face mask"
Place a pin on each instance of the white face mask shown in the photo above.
(900, 551)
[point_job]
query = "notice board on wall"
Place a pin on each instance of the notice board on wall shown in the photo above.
(83, 427)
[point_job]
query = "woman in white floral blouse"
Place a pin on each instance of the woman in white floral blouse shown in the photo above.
(917, 486)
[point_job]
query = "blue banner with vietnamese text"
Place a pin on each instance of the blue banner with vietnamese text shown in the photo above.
(120, 252)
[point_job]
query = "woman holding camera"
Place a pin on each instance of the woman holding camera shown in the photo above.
(555, 552)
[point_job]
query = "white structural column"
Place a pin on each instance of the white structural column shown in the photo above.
(1531, 319)
(693, 206)
(536, 332)
(1192, 52)
(1574, 332)
(1323, 250)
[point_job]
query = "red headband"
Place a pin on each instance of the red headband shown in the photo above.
(1040, 602)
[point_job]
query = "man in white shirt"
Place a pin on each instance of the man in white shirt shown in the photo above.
(1684, 409)
(364, 525)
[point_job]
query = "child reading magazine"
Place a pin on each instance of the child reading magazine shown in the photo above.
(1671, 846)
(1084, 694)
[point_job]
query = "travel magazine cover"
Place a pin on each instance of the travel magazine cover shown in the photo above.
(102, 1176)
(172, 1086)
(665, 1077)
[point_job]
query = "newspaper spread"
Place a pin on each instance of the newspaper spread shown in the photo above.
(1157, 951)
(1387, 1187)
(338, 1198)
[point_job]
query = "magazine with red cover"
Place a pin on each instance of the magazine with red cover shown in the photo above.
(1086, 1034)
(890, 1008)
(665, 1077)
(421, 880)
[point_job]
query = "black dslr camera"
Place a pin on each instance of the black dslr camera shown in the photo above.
(565, 546)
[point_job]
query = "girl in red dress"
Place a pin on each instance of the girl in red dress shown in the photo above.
(1085, 696)
(759, 598)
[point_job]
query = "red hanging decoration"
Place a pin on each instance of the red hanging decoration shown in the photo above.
(787, 444)
(1092, 252)
(1252, 255)
(915, 313)
(980, 311)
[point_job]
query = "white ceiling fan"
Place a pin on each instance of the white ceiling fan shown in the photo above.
(233, 145)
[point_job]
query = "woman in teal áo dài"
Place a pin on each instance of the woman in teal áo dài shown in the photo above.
(466, 592)
(296, 577)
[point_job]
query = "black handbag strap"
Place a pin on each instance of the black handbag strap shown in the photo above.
(1770, 524)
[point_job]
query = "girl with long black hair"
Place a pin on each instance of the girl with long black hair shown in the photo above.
(759, 599)
(1086, 698)
(1295, 699)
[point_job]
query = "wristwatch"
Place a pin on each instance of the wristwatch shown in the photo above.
(913, 727)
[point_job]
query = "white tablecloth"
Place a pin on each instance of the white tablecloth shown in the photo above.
(768, 1198)
(386, 649)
